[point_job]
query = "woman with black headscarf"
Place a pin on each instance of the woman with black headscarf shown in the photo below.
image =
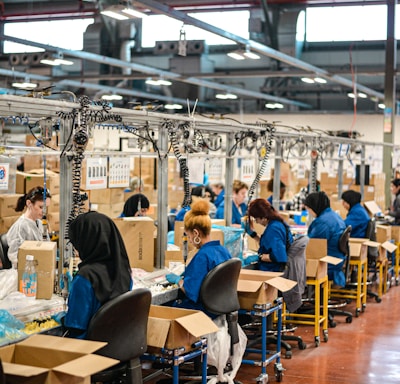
(104, 272)
(328, 225)
(136, 205)
(357, 215)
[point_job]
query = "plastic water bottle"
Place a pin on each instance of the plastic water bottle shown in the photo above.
(29, 278)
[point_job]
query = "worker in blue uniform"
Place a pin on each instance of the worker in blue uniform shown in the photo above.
(239, 206)
(274, 241)
(357, 215)
(197, 226)
(327, 224)
(103, 274)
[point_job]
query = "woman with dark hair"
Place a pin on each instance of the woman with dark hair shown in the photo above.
(103, 274)
(197, 226)
(394, 210)
(357, 215)
(276, 238)
(29, 225)
(328, 225)
(136, 205)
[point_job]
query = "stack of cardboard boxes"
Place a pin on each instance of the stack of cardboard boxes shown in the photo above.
(8, 215)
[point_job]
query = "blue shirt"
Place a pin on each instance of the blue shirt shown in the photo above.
(329, 225)
(358, 218)
(273, 242)
(181, 214)
(207, 257)
(84, 305)
(270, 199)
(220, 198)
(236, 214)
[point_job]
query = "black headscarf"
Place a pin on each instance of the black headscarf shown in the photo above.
(351, 197)
(105, 262)
(318, 202)
(131, 205)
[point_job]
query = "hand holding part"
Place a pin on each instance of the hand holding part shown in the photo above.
(173, 278)
(251, 259)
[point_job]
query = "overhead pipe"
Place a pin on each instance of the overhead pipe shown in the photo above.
(158, 72)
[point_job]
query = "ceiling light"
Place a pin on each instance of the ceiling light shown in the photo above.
(112, 97)
(250, 55)
(274, 105)
(24, 85)
(307, 80)
(158, 82)
(351, 95)
(173, 106)
(381, 106)
(55, 59)
(123, 11)
(362, 95)
(320, 80)
(226, 96)
(237, 55)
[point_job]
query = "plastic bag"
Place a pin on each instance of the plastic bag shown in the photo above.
(233, 240)
(218, 351)
(8, 282)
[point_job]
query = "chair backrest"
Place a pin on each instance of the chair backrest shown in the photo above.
(218, 292)
(122, 323)
(370, 234)
(4, 251)
(345, 248)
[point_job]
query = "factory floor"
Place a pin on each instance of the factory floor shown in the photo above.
(365, 351)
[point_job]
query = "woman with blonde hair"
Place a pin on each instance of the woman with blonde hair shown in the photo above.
(197, 226)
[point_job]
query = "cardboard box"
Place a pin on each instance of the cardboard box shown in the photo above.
(53, 220)
(54, 206)
(26, 181)
(7, 222)
(8, 202)
(395, 233)
(260, 287)
(359, 247)
(383, 233)
(385, 247)
(173, 328)
(171, 255)
(107, 196)
(44, 253)
(110, 210)
(317, 259)
(138, 236)
(43, 359)
(372, 208)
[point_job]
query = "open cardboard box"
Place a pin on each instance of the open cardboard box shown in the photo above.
(387, 246)
(43, 359)
(173, 328)
(260, 287)
(372, 208)
(383, 233)
(317, 259)
(359, 247)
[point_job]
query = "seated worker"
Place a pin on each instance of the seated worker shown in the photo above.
(327, 224)
(282, 191)
(136, 205)
(103, 274)
(239, 205)
(29, 225)
(394, 210)
(198, 192)
(219, 193)
(357, 215)
(197, 225)
(297, 203)
(275, 240)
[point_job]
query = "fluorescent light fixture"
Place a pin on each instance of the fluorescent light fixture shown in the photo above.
(251, 55)
(55, 59)
(173, 106)
(351, 95)
(307, 80)
(112, 97)
(226, 96)
(122, 12)
(236, 55)
(158, 82)
(24, 85)
(381, 106)
(320, 80)
(362, 95)
(274, 105)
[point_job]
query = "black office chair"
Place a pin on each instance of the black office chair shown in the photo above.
(122, 323)
(334, 305)
(4, 252)
(373, 254)
(218, 294)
